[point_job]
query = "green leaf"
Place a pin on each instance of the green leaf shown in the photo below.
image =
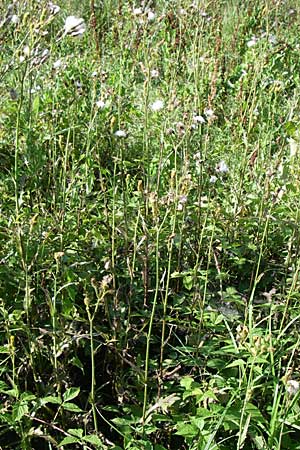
(69, 440)
(3, 387)
(186, 382)
(186, 430)
(238, 362)
(71, 407)
(77, 432)
(19, 410)
(4, 349)
(70, 394)
(51, 399)
(93, 439)
(188, 282)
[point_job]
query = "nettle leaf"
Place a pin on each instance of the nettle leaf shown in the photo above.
(93, 439)
(70, 394)
(19, 410)
(187, 430)
(69, 440)
(71, 407)
(51, 399)
(77, 432)
(186, 382)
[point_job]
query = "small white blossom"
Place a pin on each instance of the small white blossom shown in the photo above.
(292, 387)
(120, 133)
(154, 73)
(74, 26)
(57, 64)
(150, 16)
(14, 19)
(294, 146)
(26, 51)
(157, 105)
(272, 39)
(209, 113)
(54, 9)
(222, 167)
(213, 179)
(100, 104)
(252, 42)
(137, 11)
(198, 119)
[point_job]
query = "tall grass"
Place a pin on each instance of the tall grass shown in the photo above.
(149, 276)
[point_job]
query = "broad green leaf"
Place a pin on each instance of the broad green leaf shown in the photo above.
(187, 430)
(71, 407)
(19, 410)
(70, 394)
(77, 432)
(237, 363)
(93, 439)
(51, 399)
(69, 440)
(186, 382)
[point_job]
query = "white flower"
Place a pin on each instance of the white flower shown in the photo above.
(150, 16)
(26, 51)
(222, 167)
(213, 179)
(154, 73)
(54, 9)
(74, 26)
(137, 11)
(292, 387)
(120, 133)
(272, 39)
(100, 104)
(209, 113)
(198, 119)
(252, 42)
(294, 145)
(57, 64)
(157, 105)
(14, 19)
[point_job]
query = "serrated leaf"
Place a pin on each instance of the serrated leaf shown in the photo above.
(186, 382)
(71, 407)
(78, 432)
(51, 399)
(186, 430)
(93, 439)
(19, 410)
(70, 394)
(69, 440)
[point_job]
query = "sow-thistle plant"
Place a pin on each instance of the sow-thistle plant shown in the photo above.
(131, 266)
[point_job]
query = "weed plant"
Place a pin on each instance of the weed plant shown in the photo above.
(150, 246)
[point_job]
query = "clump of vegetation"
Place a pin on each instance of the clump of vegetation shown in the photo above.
(150, 182)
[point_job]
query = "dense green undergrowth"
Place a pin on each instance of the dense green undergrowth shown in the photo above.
(149, 259)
